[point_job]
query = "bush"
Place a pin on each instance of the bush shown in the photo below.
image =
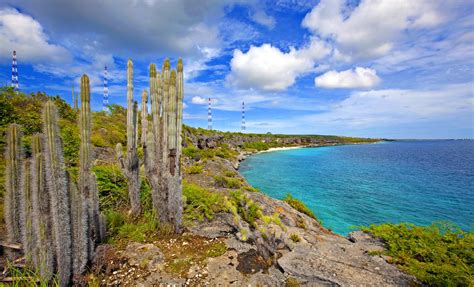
(246, 208)
(438, 255)
(300, 206)
(192, 152)
(194, 169)
(112, 186)
(201, 203)
(227, 182)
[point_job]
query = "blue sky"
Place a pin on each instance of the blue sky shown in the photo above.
(374, 68)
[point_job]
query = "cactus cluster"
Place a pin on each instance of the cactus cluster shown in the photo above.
(130, 164)
(160, 140)
(57, 222)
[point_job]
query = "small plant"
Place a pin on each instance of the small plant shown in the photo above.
(229, 173)
(201, 203)
(195, 169)
(217, 249)
(295, 237)
(300, 206)
(292, 282)
(251, 188)
(227, 182)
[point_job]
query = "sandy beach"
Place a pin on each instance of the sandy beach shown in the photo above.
(281, 148)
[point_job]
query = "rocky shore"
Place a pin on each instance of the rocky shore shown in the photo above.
(292, 250)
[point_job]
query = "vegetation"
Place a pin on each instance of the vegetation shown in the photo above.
(300, 206)
(295, 238)
(227, 182)
(438, 255)
(195, 169)
(201, 203)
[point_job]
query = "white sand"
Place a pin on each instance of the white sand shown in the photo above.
(281, 148)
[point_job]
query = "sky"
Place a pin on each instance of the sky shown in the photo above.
(370, 68)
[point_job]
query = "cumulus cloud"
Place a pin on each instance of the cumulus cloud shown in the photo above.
(353, 78)
(268, 68)
(198, 100)
(24, 34)
(145, 28)
(372, 27)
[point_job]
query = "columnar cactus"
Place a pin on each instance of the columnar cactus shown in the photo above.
(12, 184)
(130, 164)
(162, 152)
(86, 179)
(57, 223)
(26, 212)
(144, 118)
(57, 183)
(42, 225)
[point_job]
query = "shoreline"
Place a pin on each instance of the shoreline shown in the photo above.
(272, 149)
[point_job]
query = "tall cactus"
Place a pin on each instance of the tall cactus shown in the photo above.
(163, 154)
(42, 225)
(57, 183)
(13, 156)
(144, 117)
(86, 179)
(57, 223)
(130, 165)
(26, 212)
(180, 97)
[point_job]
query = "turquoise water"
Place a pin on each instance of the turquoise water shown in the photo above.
(345, 186)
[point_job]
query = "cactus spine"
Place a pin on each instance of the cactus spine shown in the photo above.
(58, 192)
(130, 165)
(144, 117)
(12, 183)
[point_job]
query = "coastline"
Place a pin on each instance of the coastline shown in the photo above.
(272, 149)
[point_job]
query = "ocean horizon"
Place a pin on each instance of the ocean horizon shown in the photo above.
(415, 181)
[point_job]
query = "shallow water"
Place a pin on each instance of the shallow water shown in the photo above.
(346, 186)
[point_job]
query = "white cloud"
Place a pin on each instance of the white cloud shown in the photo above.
(270, 69)
(198, 100)
(24, 34)
(379, 108)
(264, 19)
(372, 28)
(353, 78)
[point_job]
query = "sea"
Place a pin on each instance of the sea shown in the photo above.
(350, 186)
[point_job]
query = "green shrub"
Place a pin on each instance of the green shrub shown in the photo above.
(246, 208)
(230, 173)
(438, 255)
(192, 152)
(295, 237)
(194, 169)
(227, 182)
(139, 230)
(300, 206)
(112, 186)
(201, 203)
(251, 188)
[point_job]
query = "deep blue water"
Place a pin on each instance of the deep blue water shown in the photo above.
(345, 186)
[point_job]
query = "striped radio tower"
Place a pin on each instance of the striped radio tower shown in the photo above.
(15, 85)
(243, 117)
(209, 115)
(105, 101)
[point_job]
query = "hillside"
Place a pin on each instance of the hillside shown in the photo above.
(234, 235)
